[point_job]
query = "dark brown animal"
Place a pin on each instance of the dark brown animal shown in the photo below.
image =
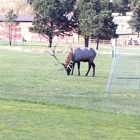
(79, 55)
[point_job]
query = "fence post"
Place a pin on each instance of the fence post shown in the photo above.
(113, 44)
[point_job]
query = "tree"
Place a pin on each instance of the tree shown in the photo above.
(93, 21)
(107, 5)
(84, 14)
(122, 6)
(106, 27)
(134, 22)
(51, 18)
(10, 26)
(30, 1)
(133, 4)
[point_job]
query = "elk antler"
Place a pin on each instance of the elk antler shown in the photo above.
(53, 50)
(70, 47)
(61, 69)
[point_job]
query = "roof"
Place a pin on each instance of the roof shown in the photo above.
(20, 18)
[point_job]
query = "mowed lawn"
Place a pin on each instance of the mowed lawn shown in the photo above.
(29, 121)
(39, 102)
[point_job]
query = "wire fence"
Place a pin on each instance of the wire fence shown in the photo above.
(125, 76)
(112, 73)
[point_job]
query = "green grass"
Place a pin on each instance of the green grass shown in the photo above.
(37, 79)
(39, 102)
(22, 120)
(43, 46)
(129, 49)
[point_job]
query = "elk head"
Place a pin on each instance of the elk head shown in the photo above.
(68, 66)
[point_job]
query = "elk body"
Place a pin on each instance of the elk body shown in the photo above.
(78, 55)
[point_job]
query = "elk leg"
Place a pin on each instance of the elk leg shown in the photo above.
(72, 69)
(93, 65)
(78, 66)
(89, 67)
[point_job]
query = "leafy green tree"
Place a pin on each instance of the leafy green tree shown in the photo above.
(30, 1)
(122, 6)
(106, 27)
(51, 18)
(12, 26)
(107, 5)
(93, 21)
(133, 4)
(84, 15)
(134, 22)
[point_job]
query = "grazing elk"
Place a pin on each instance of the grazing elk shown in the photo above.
(76, 56)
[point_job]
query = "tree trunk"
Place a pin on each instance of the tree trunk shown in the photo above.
(97, 43)
(50, 43)
(10, 42)
(138, 34)
(10, 35)
(51, 36)
(86, 41)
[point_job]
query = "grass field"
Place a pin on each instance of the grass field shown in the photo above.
(38, 102)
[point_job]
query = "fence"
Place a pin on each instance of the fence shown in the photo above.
(125, 76)
(112, 73)
(101, 41)
(41, 39)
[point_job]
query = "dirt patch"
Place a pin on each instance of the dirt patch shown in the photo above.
(19, 49)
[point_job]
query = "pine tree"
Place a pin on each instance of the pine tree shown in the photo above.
(107, 5)
(95, 22)
(84, 15)
(106, 27)
(122, 6)
(134, 22)
(30, 1)
(133, 4)
(51, 18)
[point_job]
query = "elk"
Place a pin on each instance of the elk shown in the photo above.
(78, 55)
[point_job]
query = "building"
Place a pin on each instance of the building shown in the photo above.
(26, 22)
(124, 31)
